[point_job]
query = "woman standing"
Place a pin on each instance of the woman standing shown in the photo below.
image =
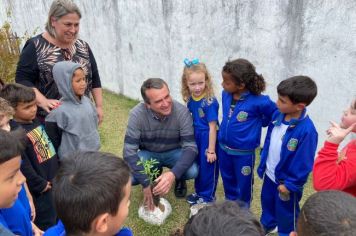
(58, 43)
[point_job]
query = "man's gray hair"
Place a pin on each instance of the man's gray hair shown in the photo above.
(58, 9)
(150, 83)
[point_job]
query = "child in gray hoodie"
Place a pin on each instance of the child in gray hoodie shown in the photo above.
(73, 126)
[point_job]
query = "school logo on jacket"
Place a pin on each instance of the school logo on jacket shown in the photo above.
(292, 144)
(246, 170)
(242, 116)
(201, 112)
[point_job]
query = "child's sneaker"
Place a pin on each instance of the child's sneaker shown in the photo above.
(271, 231)
(194, 198)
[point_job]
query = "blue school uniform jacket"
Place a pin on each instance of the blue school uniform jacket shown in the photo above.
(3, 221)
(297, 152)
(17, 218)
(242, 130)
(58, 230)
(203, 111)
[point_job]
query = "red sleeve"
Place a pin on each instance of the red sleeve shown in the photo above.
(328, 173)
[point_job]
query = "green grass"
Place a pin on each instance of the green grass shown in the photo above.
(112, 132)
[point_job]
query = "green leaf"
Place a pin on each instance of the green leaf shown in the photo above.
(149, 168)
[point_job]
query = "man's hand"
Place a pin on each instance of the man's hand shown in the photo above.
(164, 183)
(147, 198)
(336, 134)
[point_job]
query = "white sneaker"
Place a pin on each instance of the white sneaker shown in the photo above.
(196, 207)
(273, 231)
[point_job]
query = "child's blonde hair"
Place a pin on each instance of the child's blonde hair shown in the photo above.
(6, 109)
(200, 67)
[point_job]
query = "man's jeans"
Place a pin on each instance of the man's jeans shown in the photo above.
(167, 159)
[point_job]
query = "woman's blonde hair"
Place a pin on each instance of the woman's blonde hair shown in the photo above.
(200, 67)
(58, 9)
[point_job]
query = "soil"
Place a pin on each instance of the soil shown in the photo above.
(161, 207)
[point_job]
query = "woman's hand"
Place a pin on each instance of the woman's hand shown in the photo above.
(44, 103)
(100, 112)
(98, 98)
(48, 187)
(49, 104)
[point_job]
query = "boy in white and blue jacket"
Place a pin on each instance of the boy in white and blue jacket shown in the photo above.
(288, 155)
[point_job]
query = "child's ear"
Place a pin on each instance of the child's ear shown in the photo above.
(100, 223)
(301, 106)
(241, 86)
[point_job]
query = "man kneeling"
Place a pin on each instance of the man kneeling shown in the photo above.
(161, 128)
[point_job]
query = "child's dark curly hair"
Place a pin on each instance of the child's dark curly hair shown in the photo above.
(244, 72)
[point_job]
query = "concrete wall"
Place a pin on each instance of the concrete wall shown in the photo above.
(133, 40)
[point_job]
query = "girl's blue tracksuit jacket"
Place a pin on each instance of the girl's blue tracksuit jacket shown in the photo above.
(239, 136)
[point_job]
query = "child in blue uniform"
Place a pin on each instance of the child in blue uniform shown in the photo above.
(197, 91)
(245, 111)
(288, 155)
